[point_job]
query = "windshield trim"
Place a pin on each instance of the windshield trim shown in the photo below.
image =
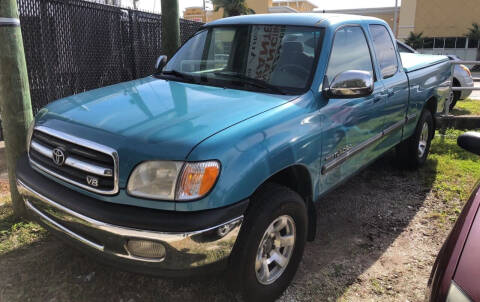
(226, 85)
(199, 80)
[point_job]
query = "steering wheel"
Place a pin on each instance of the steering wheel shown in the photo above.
(299, 71)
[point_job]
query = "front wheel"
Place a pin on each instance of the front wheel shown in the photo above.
(455, 98)
(271, 243)
(413, 152)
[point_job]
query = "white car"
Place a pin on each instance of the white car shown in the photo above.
(462, 76)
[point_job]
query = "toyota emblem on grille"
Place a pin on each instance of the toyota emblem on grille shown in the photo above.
(58, 156)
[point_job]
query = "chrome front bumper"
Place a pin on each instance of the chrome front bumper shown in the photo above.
(183, 251)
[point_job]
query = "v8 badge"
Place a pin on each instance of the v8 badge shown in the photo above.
(92, 181)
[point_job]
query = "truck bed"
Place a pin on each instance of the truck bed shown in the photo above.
(415, 61)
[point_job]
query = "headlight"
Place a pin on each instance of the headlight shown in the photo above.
(170, 180)
(456, 294)
(154, 179)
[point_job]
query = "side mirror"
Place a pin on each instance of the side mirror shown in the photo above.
(161, 62)
(470, 141)
(350, 84)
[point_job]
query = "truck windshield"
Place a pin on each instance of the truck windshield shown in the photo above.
(277, 59)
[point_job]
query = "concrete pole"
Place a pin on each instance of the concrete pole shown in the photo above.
(170, 27)
(395, 19)
(15, 105)
(204, 14)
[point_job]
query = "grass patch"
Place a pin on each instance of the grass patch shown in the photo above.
(377, 287)
(456, 173)
(16, 233)
(467, 107)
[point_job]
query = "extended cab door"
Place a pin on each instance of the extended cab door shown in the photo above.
(353, 125)
(395, 82)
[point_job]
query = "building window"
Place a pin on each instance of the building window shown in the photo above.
(472, 43)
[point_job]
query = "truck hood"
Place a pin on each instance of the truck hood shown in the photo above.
(157, 118)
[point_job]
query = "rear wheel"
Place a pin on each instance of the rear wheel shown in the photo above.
(413, 152)
(270, 246)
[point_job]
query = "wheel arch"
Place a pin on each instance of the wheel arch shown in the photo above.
(431, 105)
(456, 82)
(297, 177)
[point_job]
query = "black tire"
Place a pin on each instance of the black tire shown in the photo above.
(267, 204)
(408, 151)
(456, 97)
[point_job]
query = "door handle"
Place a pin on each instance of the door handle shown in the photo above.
(390, 92)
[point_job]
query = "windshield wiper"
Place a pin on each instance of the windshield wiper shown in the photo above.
(184, 76)
(252, 81)
(174, 73)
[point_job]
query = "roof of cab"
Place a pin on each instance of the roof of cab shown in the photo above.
(302, 19)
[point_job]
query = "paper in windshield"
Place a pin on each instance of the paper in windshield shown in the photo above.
(264, 50)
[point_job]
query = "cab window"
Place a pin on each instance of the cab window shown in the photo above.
(384, 50)
(349, 52)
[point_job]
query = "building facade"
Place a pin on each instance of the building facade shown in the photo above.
(443, 25)
(259, 6)
(195, 13)
(300, 6)
(439, 18)
(385, 13)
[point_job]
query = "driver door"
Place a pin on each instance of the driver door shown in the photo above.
(353, 125)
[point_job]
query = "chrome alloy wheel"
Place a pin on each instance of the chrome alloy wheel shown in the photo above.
(275, 249)
(422, 142)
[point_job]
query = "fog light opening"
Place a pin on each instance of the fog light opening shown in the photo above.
(145, 249)
(224, 229)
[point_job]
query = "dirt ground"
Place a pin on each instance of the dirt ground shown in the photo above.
(378, 236)
(375, 240)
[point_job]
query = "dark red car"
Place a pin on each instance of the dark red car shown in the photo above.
(456, 273)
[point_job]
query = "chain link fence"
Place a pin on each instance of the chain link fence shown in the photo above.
(73, 46)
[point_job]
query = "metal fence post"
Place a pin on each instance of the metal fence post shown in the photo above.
(451, 88)
(132, 21)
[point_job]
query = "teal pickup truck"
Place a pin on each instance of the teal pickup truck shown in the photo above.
(217, 159)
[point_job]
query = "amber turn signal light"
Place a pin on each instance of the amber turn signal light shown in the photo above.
(197, 179)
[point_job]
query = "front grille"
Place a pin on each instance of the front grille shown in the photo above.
(83, 163)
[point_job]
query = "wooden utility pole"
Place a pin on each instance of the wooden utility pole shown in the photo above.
(15, 105)
(170, 27)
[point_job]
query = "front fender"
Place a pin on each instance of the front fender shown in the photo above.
(253, 150)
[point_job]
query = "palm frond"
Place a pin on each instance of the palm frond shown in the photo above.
(474, 32)
(414, 40)
(232, 7)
